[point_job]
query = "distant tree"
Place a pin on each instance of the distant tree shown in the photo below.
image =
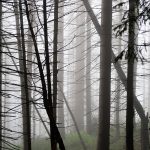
(79, 66)
(88, 76)
(29, 56)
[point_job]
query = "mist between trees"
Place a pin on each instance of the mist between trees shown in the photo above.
(74, 74)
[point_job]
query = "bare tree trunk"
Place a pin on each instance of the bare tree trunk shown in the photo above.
(117, 107)
(137, 105)
(25, 100)
(55, 71)
(55, 51)
(130, 78)
(29, 56)
(0, 75)
(61, 116)
(24, 92)
(105, 75)
(79, 67)
(53, 136)
(118, 85)
(88, 77)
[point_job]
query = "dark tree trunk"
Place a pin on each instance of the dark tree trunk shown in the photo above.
(55, 71)
(130, 78)
(105, 75)
(53, 135)
(25, 101)
(61, 117)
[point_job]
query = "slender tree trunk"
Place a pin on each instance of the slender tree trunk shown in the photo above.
(61, 117)
(24, 92)
(130, 77)
(79, 67)
(88, 77)
(29, 57)
(53, 136)
(55, 52)
(105, 75)
(0, 75)
(25, 101)
(118, 86)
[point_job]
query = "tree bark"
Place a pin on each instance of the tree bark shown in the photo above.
(105, 75)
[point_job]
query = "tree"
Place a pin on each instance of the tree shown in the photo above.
(79, 67)
(29, 58)
(55, 70)
(25, 100)
(105, 75)
(88, 76)
(130, 78)
(55, 53)
(61, 117)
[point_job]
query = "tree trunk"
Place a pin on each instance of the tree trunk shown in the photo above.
(55, 71)
(60, 68)
(79, 67)
(105, 75)
(23, 77)
(130, 78)
(29, 57)
(88, 77)
(25, 100)
(52, 104)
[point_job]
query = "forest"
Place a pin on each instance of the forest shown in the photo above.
(74, 74)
